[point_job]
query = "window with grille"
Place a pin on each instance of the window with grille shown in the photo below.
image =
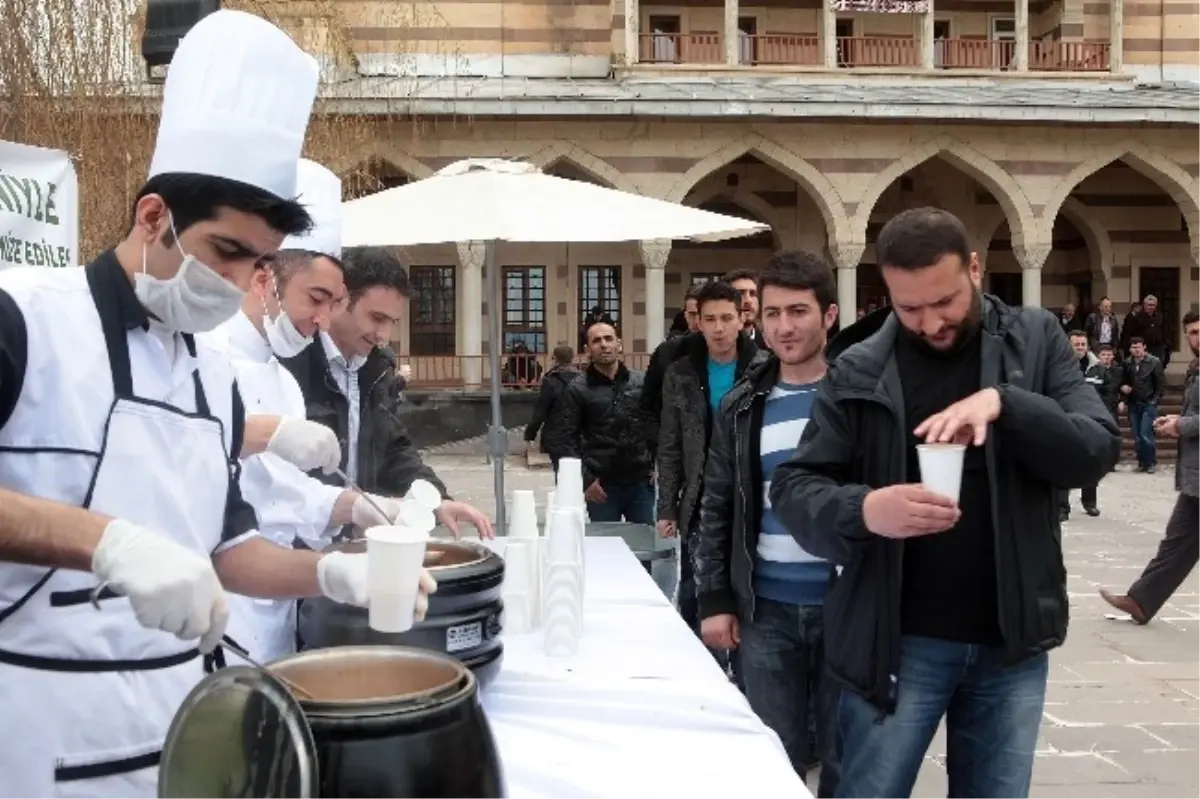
(599, 289)
(525, 307)
(431, 325)
(700, 278)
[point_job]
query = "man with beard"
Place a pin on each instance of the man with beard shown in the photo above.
(1103, 327)
(600, 426)
(758, 591)
(1147, 324)
(942, 608)
(746, 282)
(1180, 547)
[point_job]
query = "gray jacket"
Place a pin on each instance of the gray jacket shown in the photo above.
(685, 425)
(1187, 468)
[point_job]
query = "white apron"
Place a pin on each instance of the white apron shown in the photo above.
(87, 695)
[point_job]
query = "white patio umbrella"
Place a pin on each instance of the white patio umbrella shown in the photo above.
(493, 200)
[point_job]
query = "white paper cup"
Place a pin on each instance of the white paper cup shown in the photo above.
(518, 614)
(395, 556)
(523, 515)
(518, 561)
(424, 493)
(942, 467)
(565, 534)
(569, 490)
(416, 516)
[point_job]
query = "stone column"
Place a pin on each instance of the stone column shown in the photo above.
(926, 38)
(847, 257)
(654, 257)
(733, 41)
(1116, 36)
(1032, 257)
(633, 43)
(828, 35)
(470, 256)
(1021, 56)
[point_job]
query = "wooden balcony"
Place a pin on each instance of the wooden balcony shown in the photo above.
(872, 52)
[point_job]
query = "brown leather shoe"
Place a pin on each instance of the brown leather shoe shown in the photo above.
(1125, 604)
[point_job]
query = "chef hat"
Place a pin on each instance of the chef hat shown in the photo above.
(321, 194)
(236, 103)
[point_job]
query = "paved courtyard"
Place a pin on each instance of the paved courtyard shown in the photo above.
(1123, 705)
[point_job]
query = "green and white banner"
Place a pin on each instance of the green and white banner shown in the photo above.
(39, 207)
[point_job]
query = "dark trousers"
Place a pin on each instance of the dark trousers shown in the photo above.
(781, 661)
(1141, 422)
(993, 711)
(1087, 496)
(1176, 558)
(633, 502)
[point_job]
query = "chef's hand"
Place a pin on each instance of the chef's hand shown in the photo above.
(306, 445)
(343, 578)
(170, 587)
(451, 513)
(364, 515)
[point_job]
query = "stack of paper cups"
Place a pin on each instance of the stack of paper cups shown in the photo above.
(562, 583)
(519, 591)
(418, 505)
(523, 528)
(569, 496)
(395, 556)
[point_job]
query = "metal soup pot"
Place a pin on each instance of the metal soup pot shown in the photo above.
(384, 722)
(465, 616)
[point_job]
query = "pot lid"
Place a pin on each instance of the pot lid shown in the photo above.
(239, 732)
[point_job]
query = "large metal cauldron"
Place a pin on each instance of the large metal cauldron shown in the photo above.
(465, 615)
(384, 722)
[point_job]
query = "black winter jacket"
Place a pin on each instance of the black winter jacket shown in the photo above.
(388, 463)
(731, 507)
(650, 405)
(546, 417)
(1053, 433)
(1145, 379)
(600, 426)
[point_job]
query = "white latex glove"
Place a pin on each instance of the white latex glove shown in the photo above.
(405, 371)
(343, 578)
(363, 515)
(171, 588)
(306, 445)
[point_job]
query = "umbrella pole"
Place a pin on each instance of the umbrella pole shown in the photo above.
(497, 437)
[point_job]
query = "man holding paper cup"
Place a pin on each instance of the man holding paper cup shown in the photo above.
(930, 471)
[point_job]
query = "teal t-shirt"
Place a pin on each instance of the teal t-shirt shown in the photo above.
(720, 381)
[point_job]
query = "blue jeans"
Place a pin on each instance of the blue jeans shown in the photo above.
(781, 659)
(632, 503)
(1141, 420)
(992, 712)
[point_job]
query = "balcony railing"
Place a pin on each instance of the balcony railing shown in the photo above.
(432, 372)
(775, 49)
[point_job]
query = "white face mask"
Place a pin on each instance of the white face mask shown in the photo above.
(285, 340)
(195, 300)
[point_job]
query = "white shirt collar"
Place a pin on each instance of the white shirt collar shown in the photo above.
(353, 364)
(247, 341)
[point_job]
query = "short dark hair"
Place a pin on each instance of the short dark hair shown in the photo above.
(198, 198)
(1078, 334)
(1137, 340)
(920, 237)
(800, 270)
(564, 353)
(739, 274)
(716, 291)
(1105, 347)
(693, 291)
(369, 267)
(1190, 318)
(287, 263)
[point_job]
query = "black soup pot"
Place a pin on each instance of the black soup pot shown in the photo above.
(464, 620)
(382, 722)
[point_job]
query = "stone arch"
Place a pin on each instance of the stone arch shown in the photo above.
(379, 153)
(594, 166)
(1004, 188)
(760, 209)
(1166, 174)
(1098, 242)
(784, 161)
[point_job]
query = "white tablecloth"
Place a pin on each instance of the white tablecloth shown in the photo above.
(641, 710)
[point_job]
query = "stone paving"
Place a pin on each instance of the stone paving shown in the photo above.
(1123, 704)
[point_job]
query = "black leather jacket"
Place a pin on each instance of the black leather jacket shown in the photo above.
(1053, 433)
